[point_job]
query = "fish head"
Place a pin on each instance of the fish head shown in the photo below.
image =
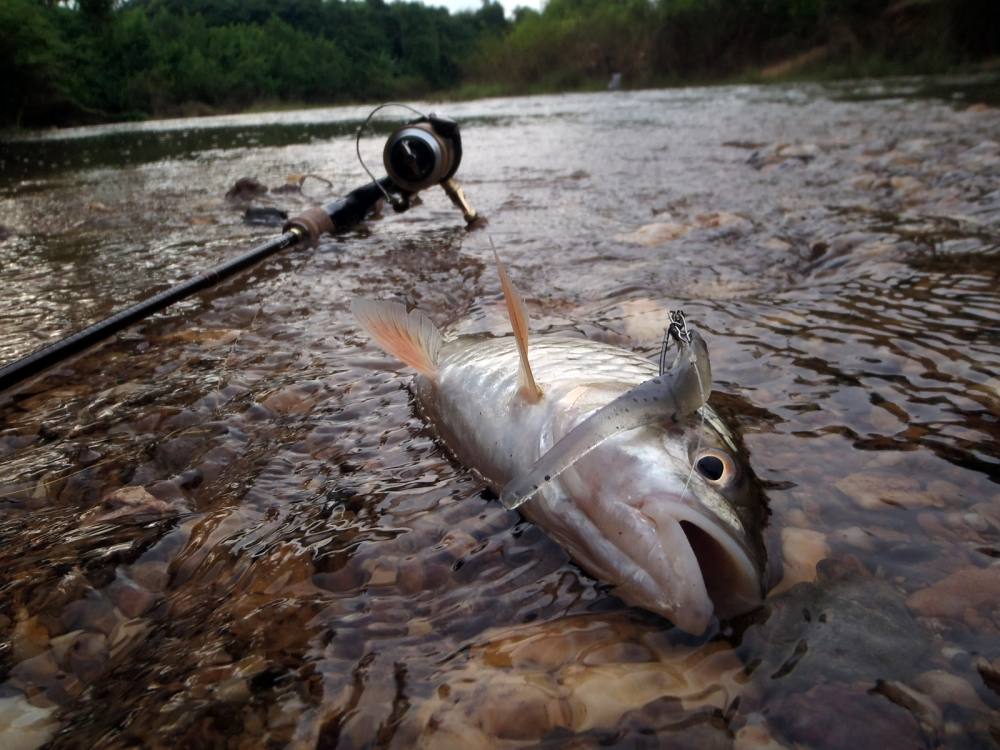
(671, 515)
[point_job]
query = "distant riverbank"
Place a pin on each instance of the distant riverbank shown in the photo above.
(99, 61)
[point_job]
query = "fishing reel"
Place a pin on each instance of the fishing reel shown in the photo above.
(424, 152)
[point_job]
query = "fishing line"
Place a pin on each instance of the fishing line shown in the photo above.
(357, 140)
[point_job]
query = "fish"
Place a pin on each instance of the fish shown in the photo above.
(620, 461)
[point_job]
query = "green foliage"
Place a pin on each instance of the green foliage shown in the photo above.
(31, 55)
(580, 42)
(93, 60)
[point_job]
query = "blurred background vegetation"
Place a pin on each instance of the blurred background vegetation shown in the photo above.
(65, 62)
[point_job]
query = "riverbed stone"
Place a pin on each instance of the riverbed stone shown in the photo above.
(126, 502)
(802, 550)
(834, 717)
(845, 628)
(967, 588)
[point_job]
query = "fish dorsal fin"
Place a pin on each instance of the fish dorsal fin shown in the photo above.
(410, 336)
(518, 314)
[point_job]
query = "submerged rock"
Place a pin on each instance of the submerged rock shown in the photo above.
(969, 588)
(267, 216)
(656, 234)
(833, 717)
(802, 550)
(245, 188)
(574, 675)
(846, 628)
(876, 491)
(23, 725)
(126, 502)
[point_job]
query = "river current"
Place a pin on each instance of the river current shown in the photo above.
(228, 527)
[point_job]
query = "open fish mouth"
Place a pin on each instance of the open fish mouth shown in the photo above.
(681, 562)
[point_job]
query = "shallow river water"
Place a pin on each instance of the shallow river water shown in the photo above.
(227, 527)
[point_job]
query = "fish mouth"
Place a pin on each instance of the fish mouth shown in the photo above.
(666, 556)
(664, 553)
(692, 566)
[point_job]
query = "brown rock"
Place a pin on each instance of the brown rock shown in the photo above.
(945, 688)
(756, 736)
(24, 726)
(990, 673)
(131, 598)
(245, 188)
(876, 491)
(30, 637)
(644, 319)
(126, 636)
(383, 573)
(126, 502)
(802, 549)
(299, 398)
(920, 706)
(951, 596)
(829, 717)
(94, 612)
(87, 657)
(206, 336)
(528, 681)
(152, 575)
(62, 644)
(37, 671)
(656, 234)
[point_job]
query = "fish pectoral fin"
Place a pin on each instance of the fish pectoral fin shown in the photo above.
(518, 314)
(410, 336)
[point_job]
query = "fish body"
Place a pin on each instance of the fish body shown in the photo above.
(667, 513)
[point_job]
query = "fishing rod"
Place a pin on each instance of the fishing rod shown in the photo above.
(424, 152)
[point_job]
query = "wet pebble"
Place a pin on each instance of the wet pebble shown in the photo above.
(802, 549)
(130, 598)
(990, 673)
(832, 717)
(87, 656)
(203, 336)
(844, 628)
(95, 612)
(877, 491)
(245, 188)
(151, 575)
(126, 636)
(126, 502)
(755, 735)
(656, 234)
(24, 725)
(946, 688)
(969, 588)
(920, 706)
(299, 398)
(30, 636)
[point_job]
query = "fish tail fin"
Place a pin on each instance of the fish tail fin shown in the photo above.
(518, 314)
(410, 336)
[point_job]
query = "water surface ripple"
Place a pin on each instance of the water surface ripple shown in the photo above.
(228, 527)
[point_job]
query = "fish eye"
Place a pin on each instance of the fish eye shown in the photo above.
(715, 466)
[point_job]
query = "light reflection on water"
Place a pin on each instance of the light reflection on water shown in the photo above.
(303, 564)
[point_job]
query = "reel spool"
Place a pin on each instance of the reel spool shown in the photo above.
(423, 153)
